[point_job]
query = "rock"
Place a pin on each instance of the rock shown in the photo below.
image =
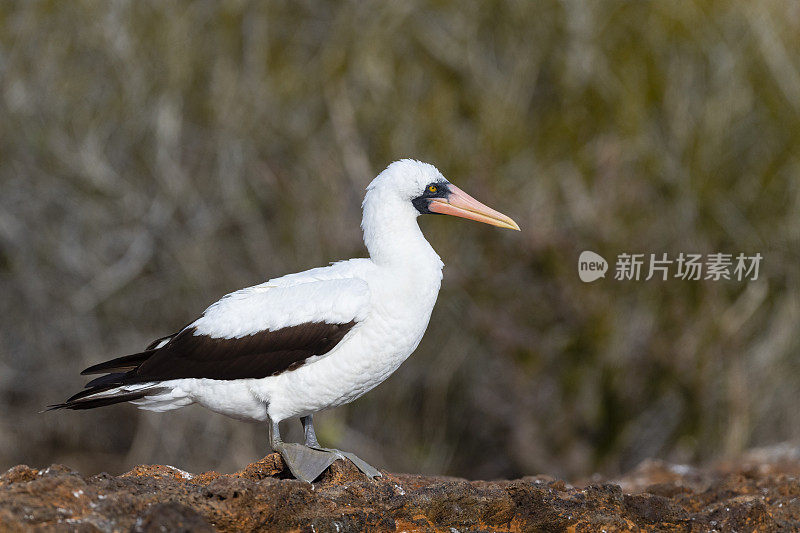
(172, 517)
(757, 493)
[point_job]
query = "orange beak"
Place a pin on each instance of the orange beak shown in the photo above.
(460, 204)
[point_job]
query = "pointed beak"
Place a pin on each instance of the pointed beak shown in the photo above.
(460, 204)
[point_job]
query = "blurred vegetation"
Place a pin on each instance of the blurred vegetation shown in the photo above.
(155, 156)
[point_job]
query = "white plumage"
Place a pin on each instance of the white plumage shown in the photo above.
(345, 327)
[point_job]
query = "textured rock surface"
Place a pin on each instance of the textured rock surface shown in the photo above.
(759, 492)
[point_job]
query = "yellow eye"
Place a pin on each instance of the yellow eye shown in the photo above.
(432, 188)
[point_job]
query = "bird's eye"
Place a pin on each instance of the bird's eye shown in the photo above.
(432, 188)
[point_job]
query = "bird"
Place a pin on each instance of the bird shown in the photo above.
(301, 343)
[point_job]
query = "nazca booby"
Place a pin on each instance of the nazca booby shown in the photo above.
(309, 341)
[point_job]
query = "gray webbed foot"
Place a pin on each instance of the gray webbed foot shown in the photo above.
(368, 470)
(311, 441)
(306, 464)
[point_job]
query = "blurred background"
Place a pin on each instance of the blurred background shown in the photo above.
(155, 156)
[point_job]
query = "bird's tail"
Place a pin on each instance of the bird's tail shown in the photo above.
(113, 387)
(101, 395)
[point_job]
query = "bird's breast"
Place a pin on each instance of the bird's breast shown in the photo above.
(401, 308)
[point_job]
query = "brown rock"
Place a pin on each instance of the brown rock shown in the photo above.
(657, 496)
(172, 517)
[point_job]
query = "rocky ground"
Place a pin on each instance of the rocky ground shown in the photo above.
(759, 492)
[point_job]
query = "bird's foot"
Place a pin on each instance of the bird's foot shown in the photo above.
(306, 464)
(368, 470)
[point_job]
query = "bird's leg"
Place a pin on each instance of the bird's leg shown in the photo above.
(305, 463)
(308, 430)
(311, 442)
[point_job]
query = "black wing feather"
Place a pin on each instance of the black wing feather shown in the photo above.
(262, 354)
(188, 355)
(124, 363)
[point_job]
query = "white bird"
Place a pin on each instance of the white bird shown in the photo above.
(309, 341)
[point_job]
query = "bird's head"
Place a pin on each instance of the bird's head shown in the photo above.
(424, 188)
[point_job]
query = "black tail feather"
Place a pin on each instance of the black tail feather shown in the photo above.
(89, 392)
(84, 400)
(99, 402)
(115, 370)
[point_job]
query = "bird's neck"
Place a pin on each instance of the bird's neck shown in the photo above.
(393, 237)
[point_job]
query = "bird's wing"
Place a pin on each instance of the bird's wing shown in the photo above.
(252, 333)
(339, 271)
